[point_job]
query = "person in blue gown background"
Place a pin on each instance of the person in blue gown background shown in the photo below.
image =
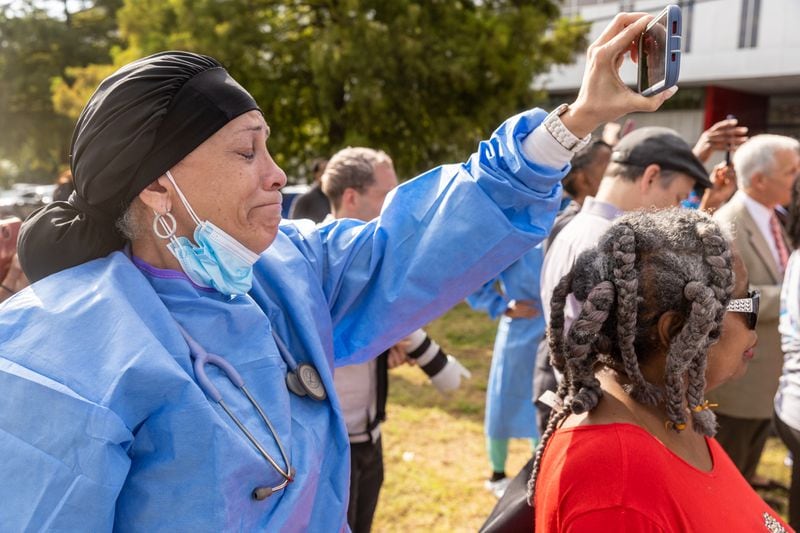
(514, 297)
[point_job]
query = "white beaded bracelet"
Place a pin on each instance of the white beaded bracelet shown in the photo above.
(561, 133)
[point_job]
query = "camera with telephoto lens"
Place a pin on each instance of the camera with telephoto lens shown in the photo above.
(444, 371)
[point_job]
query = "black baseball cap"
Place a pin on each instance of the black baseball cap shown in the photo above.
(663, 147)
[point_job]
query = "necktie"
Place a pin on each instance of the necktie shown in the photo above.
(777, 237)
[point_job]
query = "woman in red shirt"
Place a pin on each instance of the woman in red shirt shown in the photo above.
(666, 315)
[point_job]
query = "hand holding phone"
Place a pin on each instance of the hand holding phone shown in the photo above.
(9, 233)
(660, 52)
(603, 97)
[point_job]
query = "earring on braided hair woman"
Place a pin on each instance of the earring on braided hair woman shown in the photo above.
(630, 443)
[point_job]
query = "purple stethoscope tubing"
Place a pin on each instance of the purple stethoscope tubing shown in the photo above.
(200, 357)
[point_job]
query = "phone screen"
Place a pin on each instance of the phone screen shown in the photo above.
(653, 56)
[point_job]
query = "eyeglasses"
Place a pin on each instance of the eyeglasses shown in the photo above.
(749, 306)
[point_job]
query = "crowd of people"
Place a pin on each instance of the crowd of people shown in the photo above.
(186, 360)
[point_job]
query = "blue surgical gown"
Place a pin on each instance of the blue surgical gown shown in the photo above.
(103, 425)
(509, 410)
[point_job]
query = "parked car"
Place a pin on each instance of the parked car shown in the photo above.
(290, 194)
(24, 198)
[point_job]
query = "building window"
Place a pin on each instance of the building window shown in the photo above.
(572, 8)
(748, 26)
(687, 12)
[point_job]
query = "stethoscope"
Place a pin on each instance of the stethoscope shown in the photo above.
(302, 379)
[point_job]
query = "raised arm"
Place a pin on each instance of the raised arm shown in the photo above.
(441, 235)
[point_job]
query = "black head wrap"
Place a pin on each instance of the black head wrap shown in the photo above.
(140, 122)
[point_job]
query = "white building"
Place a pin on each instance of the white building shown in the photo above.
(740, 57)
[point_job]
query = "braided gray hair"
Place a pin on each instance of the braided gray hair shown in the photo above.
(647, 264)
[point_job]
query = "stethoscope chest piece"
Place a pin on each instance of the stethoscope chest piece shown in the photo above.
(309, 378)
(293, 383)
(305, 381)
(302, 379)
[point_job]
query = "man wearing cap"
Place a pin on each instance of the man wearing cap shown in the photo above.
(650, 167)
(766, 167)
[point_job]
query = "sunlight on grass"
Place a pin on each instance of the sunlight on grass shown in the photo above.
(772, 467)
(434, 454)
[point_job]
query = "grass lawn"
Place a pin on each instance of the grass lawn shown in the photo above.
(434, 452)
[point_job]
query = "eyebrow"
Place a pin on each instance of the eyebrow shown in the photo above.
(257, 127)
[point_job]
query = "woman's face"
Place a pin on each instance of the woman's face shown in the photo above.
(728, 358)
(232, 181)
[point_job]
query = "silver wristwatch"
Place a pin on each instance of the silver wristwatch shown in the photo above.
(560, 133)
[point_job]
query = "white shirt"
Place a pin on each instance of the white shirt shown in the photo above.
(787, 399)
(761, 215)
(582, 233)
(356, 386)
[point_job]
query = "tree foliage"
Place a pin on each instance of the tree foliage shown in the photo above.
(421, 79)
(38, 47)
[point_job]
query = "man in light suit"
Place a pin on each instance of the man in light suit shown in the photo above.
(766, 168)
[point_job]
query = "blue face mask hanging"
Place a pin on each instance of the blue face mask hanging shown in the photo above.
(217, 260)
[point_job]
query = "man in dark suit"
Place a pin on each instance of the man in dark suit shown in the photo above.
(313, 204)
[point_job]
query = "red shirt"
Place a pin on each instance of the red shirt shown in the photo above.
(620, 478)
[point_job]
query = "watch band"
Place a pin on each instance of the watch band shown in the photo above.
(561, 133)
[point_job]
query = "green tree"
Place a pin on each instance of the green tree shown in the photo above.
(421, 79)
(37, 47)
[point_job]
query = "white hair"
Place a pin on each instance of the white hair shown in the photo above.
(130, 224)
(758, 155)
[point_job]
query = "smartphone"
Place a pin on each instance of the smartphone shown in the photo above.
(728, 151)
(660, 52)
(9, 232)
